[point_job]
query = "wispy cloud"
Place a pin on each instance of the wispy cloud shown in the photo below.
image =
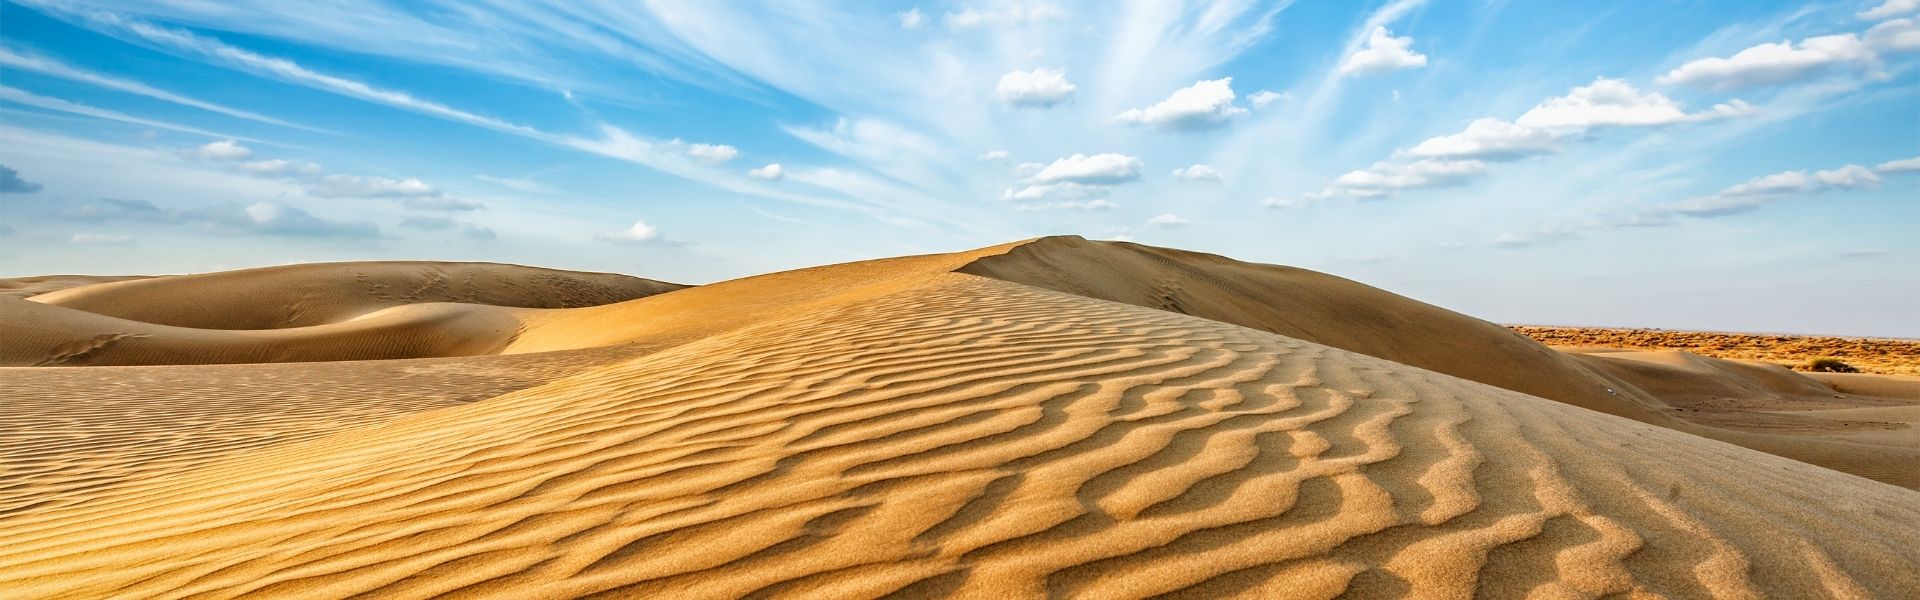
(49, 66)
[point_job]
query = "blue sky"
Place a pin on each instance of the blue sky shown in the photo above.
(1711, 165)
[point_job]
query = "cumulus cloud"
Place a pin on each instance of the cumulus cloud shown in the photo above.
(912, 19)
(1203, 105)
(1759, 191)
(11, 183)
(277, 168)
(357, 186)
(1898, 35)
(1006, 16)
(477, 232)
(220, 150)
(712, 153)
(639, 233)
(1078, 177)
(1384, 178)
(1847, 177)
(1773, 63)
(770, 172)
(1889, 8)
(1168, 220)
(1382, 53)
(1491, 139)
(100, 239)
(1197, 172)
(1039, 88)
(994, 155)
(1904, 165)
(274, 218)
(1085, 205)
(1613, 102)
(1262, 98)
(1098, 169)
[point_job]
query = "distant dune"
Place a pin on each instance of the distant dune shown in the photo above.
(1051, 418)
(310, 312)
(1887, 356)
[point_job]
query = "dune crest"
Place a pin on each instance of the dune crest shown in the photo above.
(895, 429)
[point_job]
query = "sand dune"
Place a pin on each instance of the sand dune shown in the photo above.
(895, 428)
(312, 312)
(317, 294)
(23, 287)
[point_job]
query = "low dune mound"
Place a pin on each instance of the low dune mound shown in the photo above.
(1311, 306)
(946, 435)
(45, 335)
(27, 287)
(317, 294)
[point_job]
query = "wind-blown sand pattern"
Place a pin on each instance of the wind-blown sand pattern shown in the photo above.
(893, 428)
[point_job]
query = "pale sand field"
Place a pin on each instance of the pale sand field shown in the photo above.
(1047, 418)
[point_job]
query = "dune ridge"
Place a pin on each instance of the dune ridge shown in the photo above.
(299, 313)
(949, 435)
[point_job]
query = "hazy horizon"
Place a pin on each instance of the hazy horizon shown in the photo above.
(1721, 166)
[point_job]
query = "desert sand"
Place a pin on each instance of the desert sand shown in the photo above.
(1054, 417)
(1886, 356)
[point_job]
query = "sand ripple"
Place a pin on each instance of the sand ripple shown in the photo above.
(968, 437)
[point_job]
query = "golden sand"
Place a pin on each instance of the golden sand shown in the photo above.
(977, 425)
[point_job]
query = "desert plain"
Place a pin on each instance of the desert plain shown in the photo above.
(1054, 417)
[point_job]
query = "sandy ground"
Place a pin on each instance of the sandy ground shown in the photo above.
(1887, 356)
(1049, 418)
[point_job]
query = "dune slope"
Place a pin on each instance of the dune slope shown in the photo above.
(298, 313)
(947, 435)
(1311, 306)
(321, 293)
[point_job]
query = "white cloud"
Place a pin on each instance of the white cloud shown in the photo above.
(1036, 88)
(1492, 139)
(1386, 177)
(1086, 205)
(639, 233)
(769, 172)
(55, 104)
(48, 66)
(1381, 54)
(100, 239)
(1076, 178)
(220, 150)
(1898, 35)
(711, 153)
(1010, 15)
(1167, 220)
(1847, 177)
(277, 168)
(1774, 63)
(357, 186)
(1262, 98)
(1613, 102)
(1759, 191)
(995, 155)
(1904, 165)
(1889, 8)
(912, 19)
(1048, 191)
(1203, 105)
(1278, 202)
(1098, 169)
(1197, 172)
